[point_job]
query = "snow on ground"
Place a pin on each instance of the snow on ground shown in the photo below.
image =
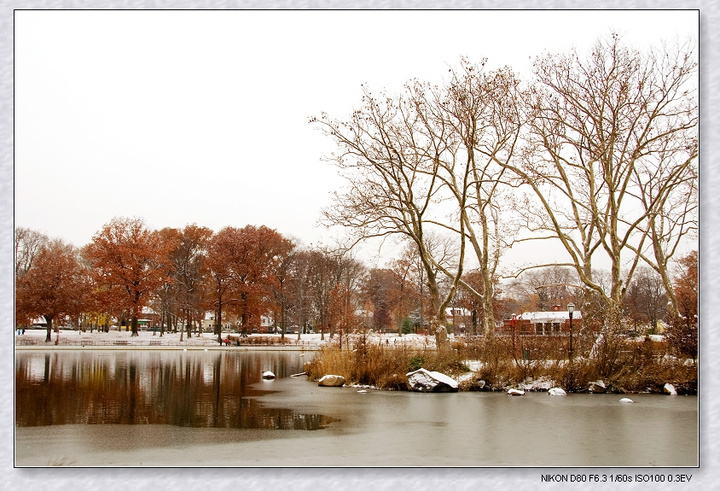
(118, 339)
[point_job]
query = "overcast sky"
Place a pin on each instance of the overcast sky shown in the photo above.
(201, 117)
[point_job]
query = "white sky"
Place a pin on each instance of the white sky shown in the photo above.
(201, 117)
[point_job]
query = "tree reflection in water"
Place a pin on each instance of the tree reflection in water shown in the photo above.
(192, 389)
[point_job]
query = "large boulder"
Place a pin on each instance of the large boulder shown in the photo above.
(556, 391)
(425, 381)
(669, 389)
(331, 381)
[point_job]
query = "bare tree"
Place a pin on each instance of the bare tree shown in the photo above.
(669, 193)
(392, 185)
(476, 122)
(598, 127)
(28, 244)
(646, 300)
(552, 285)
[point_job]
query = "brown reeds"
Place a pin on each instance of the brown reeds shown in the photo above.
(626, 366)
(380, 365)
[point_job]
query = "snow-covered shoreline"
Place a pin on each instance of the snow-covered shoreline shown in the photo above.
(72, 339)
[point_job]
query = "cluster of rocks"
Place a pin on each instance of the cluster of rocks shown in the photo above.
(423, 380)
(419, 381)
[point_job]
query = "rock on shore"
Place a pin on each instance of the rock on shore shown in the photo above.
(426, 381)
(331, 381)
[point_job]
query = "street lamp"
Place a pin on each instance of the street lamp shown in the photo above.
(571, 309)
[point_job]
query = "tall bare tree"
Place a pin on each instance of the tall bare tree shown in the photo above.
(598, 127)
(476, 121)
(392, 185)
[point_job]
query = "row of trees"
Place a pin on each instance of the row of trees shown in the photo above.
(238, 274)
(242, 274)
(596, 153)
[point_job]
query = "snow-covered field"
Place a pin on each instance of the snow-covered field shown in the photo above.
(121, 339)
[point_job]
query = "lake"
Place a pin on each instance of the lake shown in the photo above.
(212, 408)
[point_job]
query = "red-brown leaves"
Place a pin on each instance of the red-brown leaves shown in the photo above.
(54, 287)
(128, 257)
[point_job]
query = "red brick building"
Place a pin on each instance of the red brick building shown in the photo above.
(552, 323)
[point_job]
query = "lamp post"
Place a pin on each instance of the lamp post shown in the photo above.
(571, 309)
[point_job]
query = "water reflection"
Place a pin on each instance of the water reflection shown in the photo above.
(151, 408)
(188, 389)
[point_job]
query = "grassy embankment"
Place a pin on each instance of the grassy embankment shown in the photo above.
(623, 366)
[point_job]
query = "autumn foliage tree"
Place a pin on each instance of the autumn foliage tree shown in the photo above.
(244, 265)
(130, 263)
(53, 286)
(684, 329)
(381, 291)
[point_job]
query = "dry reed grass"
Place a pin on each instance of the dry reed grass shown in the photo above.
(504, 362)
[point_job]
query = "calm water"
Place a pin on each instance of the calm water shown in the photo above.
(197, 408)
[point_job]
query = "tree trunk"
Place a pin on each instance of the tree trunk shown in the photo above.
(438, 328)
(48, 321)
(218, 322)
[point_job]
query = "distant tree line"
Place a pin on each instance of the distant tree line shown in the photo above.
(237, 275)
(240, 274)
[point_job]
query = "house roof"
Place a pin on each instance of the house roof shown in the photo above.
(552, 316)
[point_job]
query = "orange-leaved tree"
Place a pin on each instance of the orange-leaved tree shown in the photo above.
(684, 330)
(53, 287)
(129, 259)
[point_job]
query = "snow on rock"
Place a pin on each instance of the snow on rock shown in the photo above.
(425, 381)
(669, 389)
(543, 383)
(516, 392)
(268, 375)
(331, 381)
(625, 400)
(597, 387)
(556, 391)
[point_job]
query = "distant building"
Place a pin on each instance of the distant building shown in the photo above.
(552, 323)
(459, 318)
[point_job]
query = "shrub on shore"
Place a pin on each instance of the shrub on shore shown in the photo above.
(501, 363)
(365, 363)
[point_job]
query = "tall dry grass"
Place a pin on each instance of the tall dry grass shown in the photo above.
(623, 366)
(375, 364)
